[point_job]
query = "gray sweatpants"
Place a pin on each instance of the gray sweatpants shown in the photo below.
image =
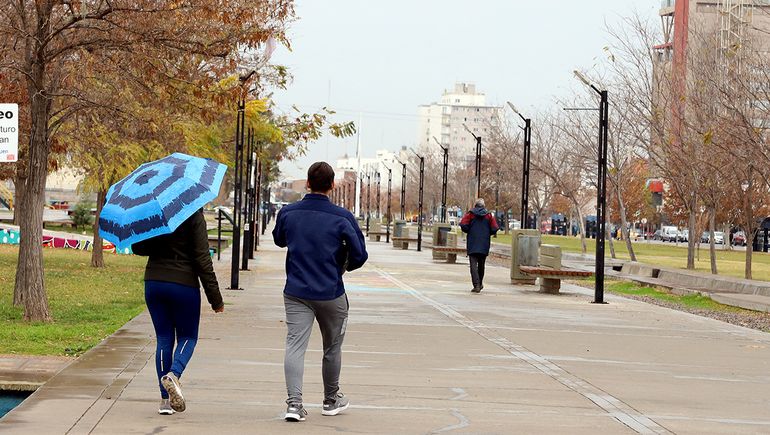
(332, 317)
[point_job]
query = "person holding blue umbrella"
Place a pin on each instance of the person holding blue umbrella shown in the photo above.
(157, 211)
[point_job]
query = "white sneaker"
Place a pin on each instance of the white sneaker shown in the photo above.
(174, 389)
(339, 404)
(165, 407)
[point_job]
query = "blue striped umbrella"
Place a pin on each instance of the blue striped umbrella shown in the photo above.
(157, 197)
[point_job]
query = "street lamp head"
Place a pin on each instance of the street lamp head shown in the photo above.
(581, 77)
(515, 110)
(467, 129)
(745, 185)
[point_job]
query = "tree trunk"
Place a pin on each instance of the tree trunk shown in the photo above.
(691, 227)
(608, 234)
(712, 242)
(18, 294)
(97, 254)
(29, 271)
(749, 253)
(624, 225)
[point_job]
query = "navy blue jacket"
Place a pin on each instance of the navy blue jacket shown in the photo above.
(480, 226)
(323, 240)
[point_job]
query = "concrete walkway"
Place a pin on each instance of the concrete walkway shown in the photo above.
(423, 355)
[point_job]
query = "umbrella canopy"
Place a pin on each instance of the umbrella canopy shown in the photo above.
(157, 197)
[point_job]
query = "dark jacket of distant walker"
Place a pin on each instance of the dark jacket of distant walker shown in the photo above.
(324, 241)
(182, 257)
(480, 226)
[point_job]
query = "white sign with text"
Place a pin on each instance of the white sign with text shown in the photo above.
(9, 133)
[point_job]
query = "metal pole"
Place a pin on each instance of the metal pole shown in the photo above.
(247, 209)
(445, 179)
(379, 216)
(258, 201)
(387, 227)
(219, 234)
(478, 166)
(266, 200)
(525, 175)
(252, 196)
(361, 195)
(403, 191)
(419, 206)
(601, 200)
(239, 127)
(368, 198)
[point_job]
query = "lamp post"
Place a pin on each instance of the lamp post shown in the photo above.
(238, 193)
(378, 195)
(258, 200)
(525, 167)
(368, 197)
(443, 180)
(403, 189)
(601, 186)
(419, 202)
(478, 160)
(388, 217)
(362, 176)
(247, 234)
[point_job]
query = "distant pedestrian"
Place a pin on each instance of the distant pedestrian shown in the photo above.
(324, 241)
(172, 292)
(480, 225)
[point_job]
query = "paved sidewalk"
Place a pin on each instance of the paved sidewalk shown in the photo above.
(424, 355)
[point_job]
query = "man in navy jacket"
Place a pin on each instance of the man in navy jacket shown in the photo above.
(480, 225)
(323, 242)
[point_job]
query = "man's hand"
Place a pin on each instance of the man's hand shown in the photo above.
(220, 309)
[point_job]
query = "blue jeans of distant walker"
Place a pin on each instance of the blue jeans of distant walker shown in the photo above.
(175, 310)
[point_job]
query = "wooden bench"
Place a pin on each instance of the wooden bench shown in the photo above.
(450, 251)
(549, 270)
(402, 242)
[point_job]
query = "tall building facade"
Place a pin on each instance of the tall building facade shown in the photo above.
(380, 163)
(444, 120)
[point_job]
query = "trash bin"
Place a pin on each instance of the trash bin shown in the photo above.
(398, 227)
(441, 233)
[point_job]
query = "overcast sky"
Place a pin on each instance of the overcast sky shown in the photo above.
(379, 60)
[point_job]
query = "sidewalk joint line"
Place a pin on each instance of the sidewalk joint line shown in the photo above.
(616, 408)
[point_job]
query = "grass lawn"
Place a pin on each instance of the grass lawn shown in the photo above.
(729, 263)
(87, 304)
(697, 302)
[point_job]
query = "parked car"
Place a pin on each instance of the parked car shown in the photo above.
(739, 238)
(657, 235)
(669, 234)
(719, 237)
(514, 224)
(684, 236)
